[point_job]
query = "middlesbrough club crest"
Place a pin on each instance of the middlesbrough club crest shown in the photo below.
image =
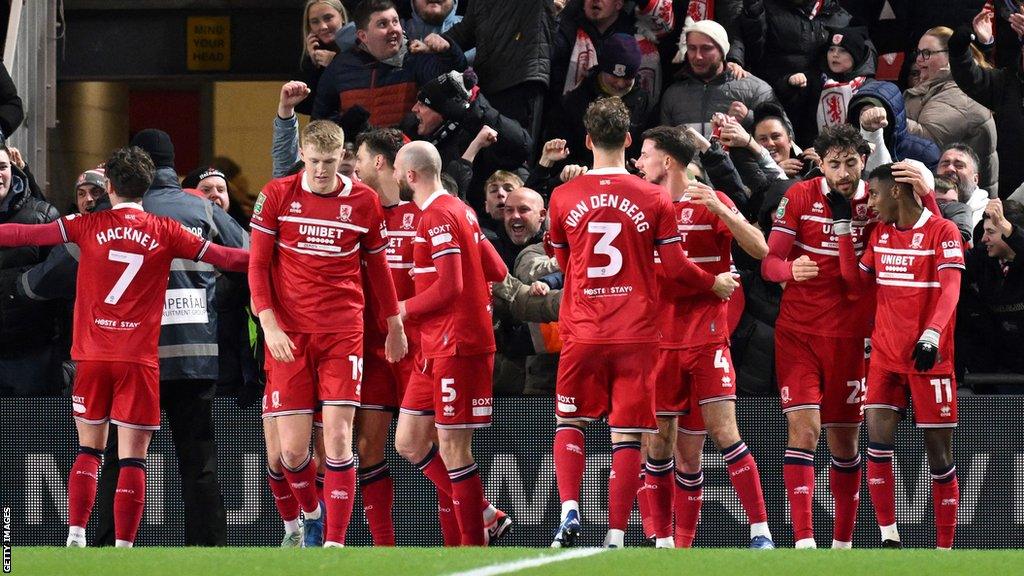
(686, 216)
(344, 213)
(917, 240)
(407, 221)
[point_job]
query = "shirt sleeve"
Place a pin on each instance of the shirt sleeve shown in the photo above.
(867, 259)
(376, 240)
(556, 234)
(787, 215)
(185, 244)
(666, 231)
(949, 249)
(265, 212)
(72, 227)
(441, 234)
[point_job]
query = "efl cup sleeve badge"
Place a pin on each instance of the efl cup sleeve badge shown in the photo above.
(344, 213)
(780, 212)
(258, 206)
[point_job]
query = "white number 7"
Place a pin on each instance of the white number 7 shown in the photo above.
(134, 262)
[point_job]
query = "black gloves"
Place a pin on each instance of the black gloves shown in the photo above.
(926, 351)
(842, 212)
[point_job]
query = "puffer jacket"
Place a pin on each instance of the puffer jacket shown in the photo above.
(24, 323)
(356, 78)
(690, 101)
(941, 112)
(787, 39)
(898, 139)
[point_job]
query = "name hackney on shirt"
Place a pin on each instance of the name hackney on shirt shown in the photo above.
(125, 258)
(315, 273)
(610, 222)
(906, 265)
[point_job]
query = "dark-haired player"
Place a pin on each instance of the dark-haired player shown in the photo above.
(820, 332)
(605, 227)
(125, 258)
(915, 258)
(694, 365)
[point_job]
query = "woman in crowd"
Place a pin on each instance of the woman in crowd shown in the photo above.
(321, 20)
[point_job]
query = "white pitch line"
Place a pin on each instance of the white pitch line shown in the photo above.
(517, 565)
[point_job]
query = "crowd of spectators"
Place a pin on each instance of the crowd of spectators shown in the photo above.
(501, 87)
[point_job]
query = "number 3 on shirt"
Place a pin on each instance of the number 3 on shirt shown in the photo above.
(609, 231)
(134, 262)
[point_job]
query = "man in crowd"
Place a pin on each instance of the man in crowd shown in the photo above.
(959, 161)
(605, 225)
(90, 187)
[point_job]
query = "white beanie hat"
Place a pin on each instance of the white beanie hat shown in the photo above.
(711, 29)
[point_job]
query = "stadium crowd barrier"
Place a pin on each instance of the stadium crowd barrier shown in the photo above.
(515, 457)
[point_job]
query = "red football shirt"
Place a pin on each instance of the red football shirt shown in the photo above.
(698, 318)
(610, 222)
(316, 284)
(448, 228)
(401, 221)
(822, 305)
(906, 266)
(122, 279)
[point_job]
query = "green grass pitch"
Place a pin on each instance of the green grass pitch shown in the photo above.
(440, 561)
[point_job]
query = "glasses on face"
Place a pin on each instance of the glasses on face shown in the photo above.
(926, 53)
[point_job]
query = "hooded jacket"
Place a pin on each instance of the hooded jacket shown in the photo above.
(898, 139)
(24, 324)
(940, 111)
(188, 343)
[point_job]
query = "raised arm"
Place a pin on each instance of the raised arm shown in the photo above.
(48, 234)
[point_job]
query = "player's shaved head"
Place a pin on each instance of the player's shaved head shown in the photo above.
(420, 157)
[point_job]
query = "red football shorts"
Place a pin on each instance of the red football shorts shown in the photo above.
(418, 399)
(821, 372)
(462, 390)
(125, 393)
(688, 378)
(933, 395)
(607, 380)
(384, 383)
(327, 369)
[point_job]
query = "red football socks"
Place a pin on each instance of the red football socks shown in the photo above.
(287, 505)
(881, 483)
(570, 461)
(746, 481)
(798, 474)
(378, 498)
(82, 485)
(946, 500)
(340, 492)
(468, 496)
(130, 498)
(623, 483)
(302, 481)
(659, 490)
(688, 499)
(844, 481)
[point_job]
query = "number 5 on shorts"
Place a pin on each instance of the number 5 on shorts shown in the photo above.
(448, 393)
(134, 262)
